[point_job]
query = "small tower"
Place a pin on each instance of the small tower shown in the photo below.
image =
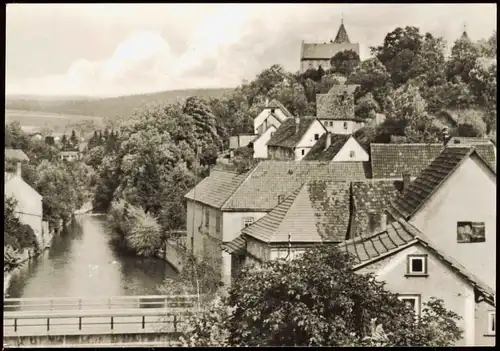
(465, 36)
(342, 37)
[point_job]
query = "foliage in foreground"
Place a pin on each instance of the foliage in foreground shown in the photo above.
(317, 300)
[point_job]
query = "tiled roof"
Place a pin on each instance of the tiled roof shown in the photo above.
(215, 189)
(276, 104)
(430, 180)
(325, 51)
(287, 136)
(318, 151)
(16, 154)
(398, 236)
(392, 160)
(467, 141)
(237, 246)
(270, 179)
(342, 37)
(483, 146)
(370, 199)
(316, 212)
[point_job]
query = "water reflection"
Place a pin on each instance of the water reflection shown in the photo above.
(83, 262)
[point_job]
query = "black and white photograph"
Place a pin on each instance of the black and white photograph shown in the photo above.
(250, 174)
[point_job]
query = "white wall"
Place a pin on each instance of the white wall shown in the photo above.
(337, 126)
(260, 145)
(282, 252)
(271, 120)
(308, 140)
(29, 204)
(198, 228)
(233, 223)
(345, 153)
(468, 195)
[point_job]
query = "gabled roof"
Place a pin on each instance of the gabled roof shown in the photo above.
(431, 178)
(315, 212)
(318, 151)
(325, 51)
(468, 141)
(397, 237)
(342, 37)
(237, 246)
(258, 136)
(15, 154)
(270, 179)
(287, 135)
(370, 199)
(215, 189)
(392, 160)
(276, 104)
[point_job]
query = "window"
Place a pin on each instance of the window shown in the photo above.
(272, 110)
(412, 301)
(247, 221)
(345, 125)
(417, 265)
(470, 232)
(272, 133)
(491, 323)
(316, 136)
(207, 217)
(352, 154)
(217, 222)
(303, 152)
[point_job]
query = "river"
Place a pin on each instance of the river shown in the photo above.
(83, 262)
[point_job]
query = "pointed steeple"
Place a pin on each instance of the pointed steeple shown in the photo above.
(465, 36)
(342, 37)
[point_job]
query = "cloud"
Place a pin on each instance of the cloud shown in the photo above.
(162, 47)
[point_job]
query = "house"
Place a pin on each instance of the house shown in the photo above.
(29, 201)
(224, 203)
(16, 155)
(335, 110)
(412, 266)
(337, 147)
(241, 140)
(453, 201)
(315, 55)
(294, 138)
(69, 155)
(259, 143)
(274, 114)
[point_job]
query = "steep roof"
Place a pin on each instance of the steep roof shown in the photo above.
(370, 199)
(315, 212)
(270, 179)
(483, 146)
(392, 160)
(342, 37)
(237, 246)
(398, 236)
(215, 189)
(318, 151)
(287, 135)
(15, 154)
(325, 51)
(276, 104)
(431, 178)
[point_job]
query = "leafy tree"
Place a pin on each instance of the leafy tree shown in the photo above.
(64, 142)
(17, 235)
(366, 107)
(471, 123)
(73, 140)
(344, 62)
(464, 55)
(372, 76)
(488, 48)
(317, 300)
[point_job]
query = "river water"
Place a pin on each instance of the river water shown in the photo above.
(84, 262)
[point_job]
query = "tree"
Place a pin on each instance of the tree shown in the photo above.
(471, 123)
(344, 62)
(366, 107)
(488, 48)
(317, 300)
(464, 55)
(73, 140)
(17, 236)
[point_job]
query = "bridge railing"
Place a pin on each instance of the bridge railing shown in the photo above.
(94, 322)
(101, 303)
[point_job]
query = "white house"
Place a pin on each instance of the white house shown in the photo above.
(260, 143)
(294, 138)
(272, 115)
(337, 148)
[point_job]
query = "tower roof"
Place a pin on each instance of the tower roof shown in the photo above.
(465, 36)
(342, 37)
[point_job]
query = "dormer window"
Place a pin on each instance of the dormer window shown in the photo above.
(417, 266)
(281, 198)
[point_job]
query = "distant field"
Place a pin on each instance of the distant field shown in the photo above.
(32, 121)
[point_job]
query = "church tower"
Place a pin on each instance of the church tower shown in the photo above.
(342, 37)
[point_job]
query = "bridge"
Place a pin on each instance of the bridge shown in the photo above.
(117, 321)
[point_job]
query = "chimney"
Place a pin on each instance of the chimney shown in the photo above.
(18, 169)
(328, 140)
(406, 180)
(446, 135)
(383, 222)
(267, 102)
(297, 123)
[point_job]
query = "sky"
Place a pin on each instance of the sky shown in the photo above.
(121, 49)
